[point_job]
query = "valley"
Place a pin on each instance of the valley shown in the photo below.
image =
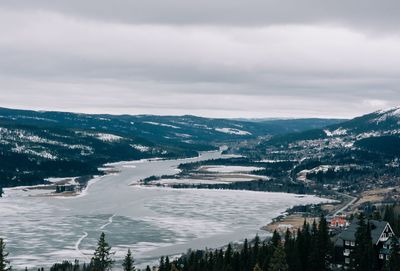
(37, 145)
(163, 185)
(199, 135)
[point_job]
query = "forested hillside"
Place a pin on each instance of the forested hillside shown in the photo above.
(362, 153)
(36, 145)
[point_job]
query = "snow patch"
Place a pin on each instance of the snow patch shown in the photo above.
(201, 126)
(275, 161)
(232, 131)
(387, 114)
(108, 137)
(337, 132)
(368, 134)
(44, 154)
(183, 135)
(67, 180)
(140, 148)
(229, 169)
(161, 124)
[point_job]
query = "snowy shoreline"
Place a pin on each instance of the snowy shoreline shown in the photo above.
(166, 221)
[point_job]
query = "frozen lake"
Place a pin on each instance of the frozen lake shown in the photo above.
(151, 221)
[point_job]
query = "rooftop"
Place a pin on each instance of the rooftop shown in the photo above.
(377, 227)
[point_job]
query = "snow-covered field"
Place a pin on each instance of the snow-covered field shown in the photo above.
(229, 169)
(232, 131)
(152, 221)
(188, 181)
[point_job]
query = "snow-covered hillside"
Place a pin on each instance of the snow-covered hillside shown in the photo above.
(35, 145)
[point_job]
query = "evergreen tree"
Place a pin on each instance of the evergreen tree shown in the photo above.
(363, 255)
(278, 260)
(394, 258)
(102, 260)
(313, 259)
(245, 259)
(376, 215)
(291, 252)
(76, 265)
(228, 257)
(276, 239)
(167, 264)
(314, 229)
(303, 245)
(128, 262)
(4, 263)
(219, 260)
(148, 268)
(388, 214)
(236, 261)
(323, 246)
(391, 216)
(255, 251)
(209, 260)
(161, 266)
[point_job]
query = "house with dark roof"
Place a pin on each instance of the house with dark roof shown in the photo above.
(381, 231)
(385, 251)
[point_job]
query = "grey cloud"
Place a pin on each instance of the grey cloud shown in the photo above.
(361, 13)
(214, 58)
(165, 99)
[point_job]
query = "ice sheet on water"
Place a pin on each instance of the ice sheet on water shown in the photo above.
(152, 221)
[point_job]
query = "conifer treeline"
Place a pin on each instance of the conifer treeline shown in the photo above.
(391, 214)
(308, 249)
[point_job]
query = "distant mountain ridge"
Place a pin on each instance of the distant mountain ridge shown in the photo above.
(381, 120)
(374, 132)
(378, 123)
(35, 145)
(142, 124)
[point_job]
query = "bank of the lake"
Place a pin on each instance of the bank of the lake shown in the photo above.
(152, 221)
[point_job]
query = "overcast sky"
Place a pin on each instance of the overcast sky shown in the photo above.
(225, 58)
